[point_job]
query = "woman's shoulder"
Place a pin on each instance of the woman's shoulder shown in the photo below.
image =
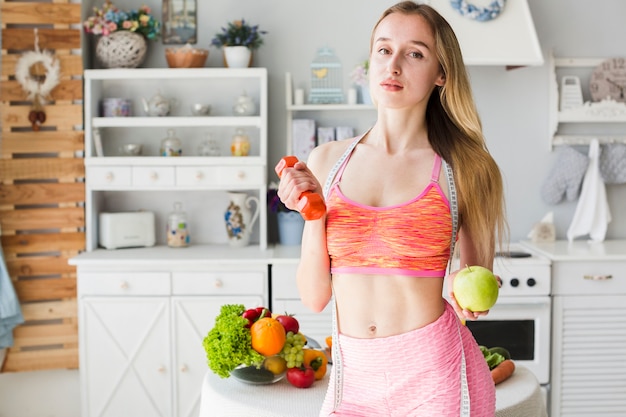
(323, 157)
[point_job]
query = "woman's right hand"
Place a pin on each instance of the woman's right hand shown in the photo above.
(294, 181)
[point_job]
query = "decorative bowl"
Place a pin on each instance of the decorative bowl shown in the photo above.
(199, 109)
(186, 57)
(130, 149)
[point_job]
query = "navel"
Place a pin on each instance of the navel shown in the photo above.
(372, 329)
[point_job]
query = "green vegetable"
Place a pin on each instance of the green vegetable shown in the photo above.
(494, 359)
(229, 344)
(502, 351)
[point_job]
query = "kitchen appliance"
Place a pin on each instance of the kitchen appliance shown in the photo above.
(521, 319)
(126, 230)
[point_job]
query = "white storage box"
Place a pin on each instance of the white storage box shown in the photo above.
(126, 230)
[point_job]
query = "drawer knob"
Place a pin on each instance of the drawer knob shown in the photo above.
(154, 176)
(184, 368)
(598, 277)
(199, 175)
(218, 283)
(109, 177)
(124, 285)
(241, 175)
(161, 369)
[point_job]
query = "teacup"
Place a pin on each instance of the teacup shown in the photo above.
(116, 107)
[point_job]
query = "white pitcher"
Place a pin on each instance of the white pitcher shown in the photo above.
(239, 218)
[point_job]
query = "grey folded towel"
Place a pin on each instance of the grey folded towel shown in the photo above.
(565, 177)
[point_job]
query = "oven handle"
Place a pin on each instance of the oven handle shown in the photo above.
(598, 277)
(523, 301)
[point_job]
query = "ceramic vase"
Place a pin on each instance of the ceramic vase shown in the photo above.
(366, 98)
(240, 218)
(121, 49)
(290, 226)
(237, 56)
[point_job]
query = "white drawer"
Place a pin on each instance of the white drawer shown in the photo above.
(238, 176)
(197, 176)
(219, 283)
(124, 283)
(108, 177)
(153, 177)
(586, 278)
(284, 281)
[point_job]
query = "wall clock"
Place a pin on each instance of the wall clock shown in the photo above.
(609, 80)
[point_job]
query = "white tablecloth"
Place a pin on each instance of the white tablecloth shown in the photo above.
(519, 396)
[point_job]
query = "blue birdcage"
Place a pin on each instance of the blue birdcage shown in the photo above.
(326, 78)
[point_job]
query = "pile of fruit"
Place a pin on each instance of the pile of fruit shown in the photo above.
(260, 340)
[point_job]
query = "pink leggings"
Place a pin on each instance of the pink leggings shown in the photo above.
(417, 373)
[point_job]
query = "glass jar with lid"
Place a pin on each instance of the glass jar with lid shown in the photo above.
(240, 145)
(171, 145)
(177, 228)
(209, 147)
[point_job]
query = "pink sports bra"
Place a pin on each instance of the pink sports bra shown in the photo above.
(411, 239)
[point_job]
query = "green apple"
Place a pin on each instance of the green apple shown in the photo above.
(475, 288)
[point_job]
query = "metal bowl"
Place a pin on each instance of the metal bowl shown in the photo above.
(200, 109)
(131, 149)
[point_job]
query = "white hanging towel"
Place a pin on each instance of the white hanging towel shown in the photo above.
(592, 213)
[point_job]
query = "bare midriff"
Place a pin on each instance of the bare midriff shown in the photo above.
(371, 306)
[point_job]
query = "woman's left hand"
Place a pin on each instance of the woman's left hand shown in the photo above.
(464, 313)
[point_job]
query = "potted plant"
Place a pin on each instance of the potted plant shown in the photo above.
(290, 222)
(239, 38)
(123, 34)
(359, 78)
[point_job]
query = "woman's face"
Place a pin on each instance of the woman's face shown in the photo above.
(404, 68)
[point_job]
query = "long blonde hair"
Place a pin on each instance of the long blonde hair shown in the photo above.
(455, 133)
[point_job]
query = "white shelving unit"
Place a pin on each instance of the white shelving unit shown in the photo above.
(108, 172)
(578, 126)
(349, 114)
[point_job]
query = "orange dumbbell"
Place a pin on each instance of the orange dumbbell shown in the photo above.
(311, 205)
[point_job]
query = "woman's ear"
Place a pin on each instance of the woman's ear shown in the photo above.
(441, 80)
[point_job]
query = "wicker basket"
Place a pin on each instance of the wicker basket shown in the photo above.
(186, 57)
(121, 49)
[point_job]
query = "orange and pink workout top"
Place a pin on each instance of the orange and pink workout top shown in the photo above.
(411, 239)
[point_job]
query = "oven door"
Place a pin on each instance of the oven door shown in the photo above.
(522, 326)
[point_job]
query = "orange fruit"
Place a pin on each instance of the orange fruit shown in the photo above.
(268, 336)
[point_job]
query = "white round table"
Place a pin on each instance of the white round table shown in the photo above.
(518, 396)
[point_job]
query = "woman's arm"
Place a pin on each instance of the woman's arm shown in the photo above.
(313, 275)
(469, 256)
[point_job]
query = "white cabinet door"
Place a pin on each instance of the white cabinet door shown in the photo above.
(125, 360)
(192, 318)
(589, 356)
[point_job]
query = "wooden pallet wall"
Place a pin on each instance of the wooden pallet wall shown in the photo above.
(42, 190)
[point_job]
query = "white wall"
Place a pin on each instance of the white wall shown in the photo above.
(513, 106)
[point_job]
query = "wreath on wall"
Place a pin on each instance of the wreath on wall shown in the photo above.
(482, 14)
(37, 87)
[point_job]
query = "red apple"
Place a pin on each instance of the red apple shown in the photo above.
(289, 323)
(475, 288)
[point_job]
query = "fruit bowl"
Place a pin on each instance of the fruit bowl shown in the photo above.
(255, 375)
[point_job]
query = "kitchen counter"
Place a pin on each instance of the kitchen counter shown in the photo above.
(579, 250)
(519, 396)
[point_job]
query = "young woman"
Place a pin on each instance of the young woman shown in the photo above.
(399, 198)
